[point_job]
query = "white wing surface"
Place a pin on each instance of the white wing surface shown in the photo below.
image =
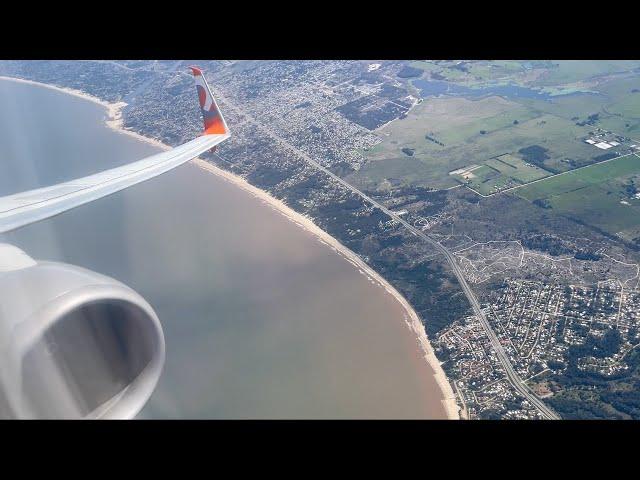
(31, 206)
(27, 207)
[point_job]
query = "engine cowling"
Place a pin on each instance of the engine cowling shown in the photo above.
(73, 343)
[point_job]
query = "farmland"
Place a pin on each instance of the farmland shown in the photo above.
(449, 133)
(583, 177)
(572, 71)
(498, 173)
(595, 195)
(616, 102)
(516, 168)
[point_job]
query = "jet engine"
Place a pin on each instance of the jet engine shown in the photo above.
(73, 343)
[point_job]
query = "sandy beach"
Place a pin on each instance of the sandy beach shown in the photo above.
(412, 321)
(411, 317)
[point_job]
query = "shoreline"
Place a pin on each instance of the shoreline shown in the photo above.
(448, 399)
(411, 319)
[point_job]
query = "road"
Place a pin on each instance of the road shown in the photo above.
(512, 376)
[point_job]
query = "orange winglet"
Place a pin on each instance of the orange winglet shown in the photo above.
(214, 123)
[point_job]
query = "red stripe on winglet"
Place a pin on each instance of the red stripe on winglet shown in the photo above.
(202, 95)
(215, 127)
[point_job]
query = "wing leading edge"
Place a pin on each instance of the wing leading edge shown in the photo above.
(32, 206)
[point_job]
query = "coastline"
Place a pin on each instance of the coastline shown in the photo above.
(412, 321)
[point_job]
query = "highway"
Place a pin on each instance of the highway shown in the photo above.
(512, 376)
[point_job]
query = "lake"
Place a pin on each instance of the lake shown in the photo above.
(435, 88)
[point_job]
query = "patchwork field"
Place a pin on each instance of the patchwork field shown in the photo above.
(540, 137)
(597, 195)
(449, 133)
(583, 177)
(480, 178)
(498, 173)
(516, 168)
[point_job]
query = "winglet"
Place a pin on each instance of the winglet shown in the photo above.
(214, 123)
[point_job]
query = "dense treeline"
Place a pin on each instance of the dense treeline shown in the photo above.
(590, 395)
(546, 243)
(409, 72)
(536, 155)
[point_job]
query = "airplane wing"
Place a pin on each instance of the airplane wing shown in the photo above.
(31, 206)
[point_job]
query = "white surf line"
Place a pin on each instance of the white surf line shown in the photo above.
(448, 401)
(410, 317)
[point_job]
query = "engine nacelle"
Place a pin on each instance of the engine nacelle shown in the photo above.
(73, 343)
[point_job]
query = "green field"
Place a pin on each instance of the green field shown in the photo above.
(581, 178)
(499, 173)
(476, 73)
(480, 178)
(462, 132)
(570, 71)
(491, 185)
(617, 104)
(516, 168)
(449, 133)
(398, 170)
(593, 195)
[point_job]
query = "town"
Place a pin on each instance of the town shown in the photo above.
(360, 147)
(546, 330)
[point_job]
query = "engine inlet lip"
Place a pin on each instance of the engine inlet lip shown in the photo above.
(132, 398)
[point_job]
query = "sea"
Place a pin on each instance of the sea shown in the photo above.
(261, 319)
